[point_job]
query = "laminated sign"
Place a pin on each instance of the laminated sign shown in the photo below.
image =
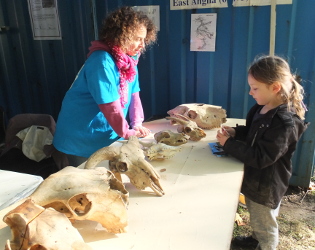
(239, 3)
(44, 19)
(197, 4)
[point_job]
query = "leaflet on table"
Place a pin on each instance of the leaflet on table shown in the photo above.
(217, 149)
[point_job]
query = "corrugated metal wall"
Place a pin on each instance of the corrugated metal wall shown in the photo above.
(36, 74)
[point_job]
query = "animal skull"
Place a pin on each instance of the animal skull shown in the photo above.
(206, 116)
(170, 138)
(34, 227)
(130, 160)
(188, 127)
(160, 151)
(86, 194)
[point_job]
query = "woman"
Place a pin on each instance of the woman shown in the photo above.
(94, 110)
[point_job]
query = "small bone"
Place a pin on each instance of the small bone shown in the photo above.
(188, 127)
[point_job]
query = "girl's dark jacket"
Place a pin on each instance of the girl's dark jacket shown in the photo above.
(269, 145)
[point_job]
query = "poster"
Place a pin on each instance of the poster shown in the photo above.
(44, 19)
(203, 32)
(197, 4)
(152, 11)
(239, 3)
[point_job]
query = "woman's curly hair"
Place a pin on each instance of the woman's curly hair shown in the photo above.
(119, 27)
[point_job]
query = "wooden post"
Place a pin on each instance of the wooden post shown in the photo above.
(272, 27)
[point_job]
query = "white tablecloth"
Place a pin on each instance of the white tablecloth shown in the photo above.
(15, 186)
(196, 212)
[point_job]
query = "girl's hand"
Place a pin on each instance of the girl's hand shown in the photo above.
(221, 137)
(142, 131)
(228, 131)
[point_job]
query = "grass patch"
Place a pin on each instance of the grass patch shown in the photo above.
(296, 222)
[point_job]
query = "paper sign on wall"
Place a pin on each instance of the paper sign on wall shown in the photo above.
(197, 4)
(203, 32)
(239, 3)
(152, 11)
(44, 19)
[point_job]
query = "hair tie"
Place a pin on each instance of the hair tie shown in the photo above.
(304, 106)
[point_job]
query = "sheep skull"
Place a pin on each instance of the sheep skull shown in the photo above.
(188, 127)
(34, 227)
(170, 138)
(129, 159)
(160, 151)
(86, 194)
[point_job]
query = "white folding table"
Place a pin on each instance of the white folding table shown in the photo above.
(196, 212)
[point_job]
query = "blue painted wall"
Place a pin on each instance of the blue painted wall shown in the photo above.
(34, 75)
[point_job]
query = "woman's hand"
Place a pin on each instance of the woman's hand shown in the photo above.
(142, 131)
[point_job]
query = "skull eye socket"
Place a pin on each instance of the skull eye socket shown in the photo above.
(192, 114)
(80, 204)
(173, 122)
(187, 130)
(166, 135)
(121, 167)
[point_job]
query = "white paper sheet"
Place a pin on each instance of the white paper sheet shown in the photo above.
(16, 186)
(240, 3)
(203, 32)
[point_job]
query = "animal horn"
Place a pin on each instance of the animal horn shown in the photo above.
(106, 153)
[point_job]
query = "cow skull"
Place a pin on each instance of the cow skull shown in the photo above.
(170, 138)
(188, 127)
(130, 160)
(206, 116)
(86, 194)
(34, 227)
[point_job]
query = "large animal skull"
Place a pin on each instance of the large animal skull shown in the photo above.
(129, 159)
(188, 127)
(34, 227)
(206, 116)
(86, 194)
(170, 138)
(160, 151)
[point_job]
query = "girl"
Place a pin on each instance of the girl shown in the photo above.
(266, 145)
(93, 113)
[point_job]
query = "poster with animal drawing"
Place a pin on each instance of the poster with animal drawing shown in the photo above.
(203, 32)
(152, 11)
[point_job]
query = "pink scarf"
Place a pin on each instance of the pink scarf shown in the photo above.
(126, 66)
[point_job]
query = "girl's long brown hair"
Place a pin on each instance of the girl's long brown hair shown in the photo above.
(271, 69)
